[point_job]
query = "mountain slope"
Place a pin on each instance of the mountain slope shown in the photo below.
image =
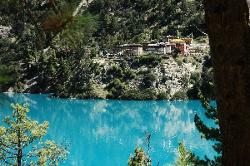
(136, 21)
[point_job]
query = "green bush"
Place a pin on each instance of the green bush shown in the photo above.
(92, 91)
(162, 95)
(116, 89)
(128, 74)
(115, 72)
(179, 60)
(180, 95)
(192, 93)
(136, 94)
(120, 72)
(147, 60)
(195, 77)
(185, 60)
(148, 80)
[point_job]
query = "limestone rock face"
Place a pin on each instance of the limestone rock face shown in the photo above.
(172, 75)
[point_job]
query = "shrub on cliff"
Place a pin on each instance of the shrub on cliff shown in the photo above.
(147, 60)
(116, 89)
(148, 80)
(180, 95)
(143, 94)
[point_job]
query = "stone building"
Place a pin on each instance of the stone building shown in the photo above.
(129, 49)
(181, 45)
(158, 48)
(162, 48)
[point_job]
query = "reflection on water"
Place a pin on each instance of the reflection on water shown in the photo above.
(107, 131)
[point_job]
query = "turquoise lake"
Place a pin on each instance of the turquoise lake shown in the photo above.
(106, 132)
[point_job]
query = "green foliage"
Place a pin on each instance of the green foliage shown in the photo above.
(147, 60)
(20, 141)
(203, 82)
(75, 78)
(128, 74)
(207, 86)
(93, 91)
(115, 72)
(185, 157)
(162, 95)
(37, 22)
(116, 88)
(7, 77)
(42, 34)
(195, 77)
(179, 60)
(141, 94)
(142, 20)
(193, 92)
(180, 95)
(79, 32)
(9, 70)
(148, 80)
(49, 47)
(210, 133)
(121, 72)
(185, 81)
(140, 158)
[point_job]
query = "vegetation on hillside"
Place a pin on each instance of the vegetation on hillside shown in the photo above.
(203, 82)
(145, 20)
(50, 47)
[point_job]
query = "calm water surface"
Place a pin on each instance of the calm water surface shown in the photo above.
(105, 132)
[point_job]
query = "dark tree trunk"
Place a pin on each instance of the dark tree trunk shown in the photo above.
(229, 38)
(19, 151)
(19, 146)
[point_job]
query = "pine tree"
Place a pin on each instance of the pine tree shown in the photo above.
(210, 133)
(140, 158)
(185, 157)
(20, 141)
(41, 30)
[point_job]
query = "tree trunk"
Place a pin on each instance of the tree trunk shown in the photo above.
(19, 151)
(229, 38)
(19, 146)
